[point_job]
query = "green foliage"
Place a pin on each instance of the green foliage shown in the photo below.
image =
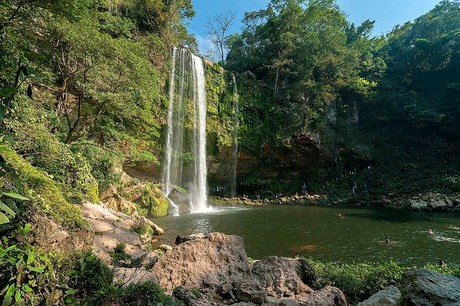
(305, 67)
(150, 201)
(357, 281)
(222, 119)
(44, 190)
(413, 121)
(121, 259)
(96, 71)
(9, 208)
(28, 275)
(147, 293)
(444, 269)
(142, 229)
(89, 274)
(105, 164)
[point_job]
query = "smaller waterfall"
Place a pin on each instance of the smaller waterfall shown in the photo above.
(236, 124)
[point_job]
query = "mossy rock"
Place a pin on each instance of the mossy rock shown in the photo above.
(161, 207)
(149, 200)
(46, 192)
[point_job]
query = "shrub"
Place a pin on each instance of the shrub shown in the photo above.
(121, 259)
(358, 281)
(89, 274)
(104, 162)
(444, 269)
(28, 275)
(143, 294)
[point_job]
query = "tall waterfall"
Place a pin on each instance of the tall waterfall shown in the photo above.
(236, 124)
(186, 132)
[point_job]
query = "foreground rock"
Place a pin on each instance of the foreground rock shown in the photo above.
(199, 263)
(424, 287)
(217, 265)
(389, 296)
(279, 276)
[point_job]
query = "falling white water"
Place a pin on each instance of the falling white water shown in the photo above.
(168, 162)
(187, 115)
(236, 124)
(199, 194)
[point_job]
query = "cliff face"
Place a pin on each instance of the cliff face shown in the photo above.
(243, 133)
(302, 160)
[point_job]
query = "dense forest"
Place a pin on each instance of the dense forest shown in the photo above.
(387, 101)
(84, 95)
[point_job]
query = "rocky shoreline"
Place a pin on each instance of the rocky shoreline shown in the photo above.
(429, 201)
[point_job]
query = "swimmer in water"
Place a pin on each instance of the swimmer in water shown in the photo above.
(388, 241)
(430, 231)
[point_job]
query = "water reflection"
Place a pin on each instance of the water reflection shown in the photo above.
(201, 225)
(219, 210)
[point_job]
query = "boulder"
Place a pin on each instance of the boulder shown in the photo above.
(249, 290)
(429, 288)
(279, 276)
(418, 205)
(213, 269)
(438, 204)
(144, 222)
(116, 202)
(189, 297)
(180, 198)
(328, 296)
(389, 296)
(206, 262)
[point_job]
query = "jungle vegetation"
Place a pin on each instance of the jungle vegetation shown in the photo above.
(83, 92)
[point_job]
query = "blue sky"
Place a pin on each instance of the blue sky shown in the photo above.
(386, 13)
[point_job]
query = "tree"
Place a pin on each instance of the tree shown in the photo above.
(308, 62)
(218, 27)
(423, 61)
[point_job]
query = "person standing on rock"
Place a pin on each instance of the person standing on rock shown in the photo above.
(304, 189)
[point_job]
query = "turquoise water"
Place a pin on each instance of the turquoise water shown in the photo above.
(319, 233)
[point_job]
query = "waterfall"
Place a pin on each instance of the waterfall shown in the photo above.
(186, 131)
(236, 123)
(199, 194)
